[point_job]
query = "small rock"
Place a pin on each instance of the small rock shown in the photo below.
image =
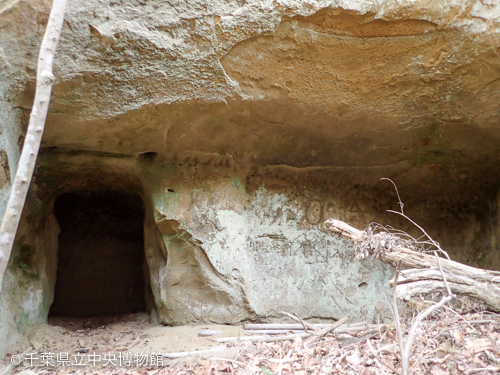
(35, 341)
(209, 332)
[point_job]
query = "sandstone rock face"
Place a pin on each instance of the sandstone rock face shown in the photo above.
(244, 125)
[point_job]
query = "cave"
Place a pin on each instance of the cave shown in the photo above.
(101, 264)
(193, 153)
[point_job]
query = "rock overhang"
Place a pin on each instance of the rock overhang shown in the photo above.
(215, 112)
(338, 87)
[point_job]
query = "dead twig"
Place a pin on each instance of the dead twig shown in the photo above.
(401, 205)
(322, 332)
(13, 365)
(354, 340)
(297, 318)
(483, 369)
(444, 277)
(262, 338)
(195, 352)
(282, 326)
(226, 360)
(311, 336)
(397, 321)
(374, 353)
(405, 357)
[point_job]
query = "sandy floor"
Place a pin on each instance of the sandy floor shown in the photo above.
(133, 333)
(449, 342)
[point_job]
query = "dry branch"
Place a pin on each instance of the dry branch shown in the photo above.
(265, 338)
(339, 330)
(297, 318)
(405, 356)
(293, 326)
(311, 336)
(397, 321)
(322, 332)
(6, 370)
(281, 326)
(273, 331)
(424, 277)
(196, 352)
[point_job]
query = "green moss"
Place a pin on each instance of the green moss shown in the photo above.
(236, 183)
(24, 323)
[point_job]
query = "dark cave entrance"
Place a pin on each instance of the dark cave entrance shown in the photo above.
(101, 264)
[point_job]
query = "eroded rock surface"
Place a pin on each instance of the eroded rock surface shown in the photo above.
(243, 125)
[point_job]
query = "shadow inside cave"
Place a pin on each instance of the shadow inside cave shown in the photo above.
(101, 264)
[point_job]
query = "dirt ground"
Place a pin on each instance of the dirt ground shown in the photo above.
(134, 333)
(448, 342)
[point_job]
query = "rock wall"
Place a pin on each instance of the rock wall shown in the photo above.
(219, 251)
(265, 248)
(243, 125)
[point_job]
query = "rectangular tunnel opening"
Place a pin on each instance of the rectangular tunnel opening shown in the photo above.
(101, 263)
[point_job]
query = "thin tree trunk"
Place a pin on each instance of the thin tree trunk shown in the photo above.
(24, 172)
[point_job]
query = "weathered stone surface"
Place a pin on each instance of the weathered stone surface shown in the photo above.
(219, 251)
(265, 249)
(243, 125)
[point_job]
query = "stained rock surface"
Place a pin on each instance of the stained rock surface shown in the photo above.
(243, 126)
